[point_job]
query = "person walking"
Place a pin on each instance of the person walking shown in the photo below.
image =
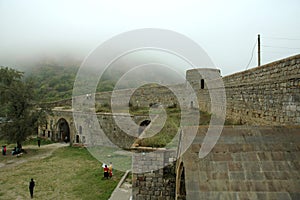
(31, 186)
(4, 150)
(39, 142)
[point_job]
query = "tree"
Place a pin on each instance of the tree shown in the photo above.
(17, 106)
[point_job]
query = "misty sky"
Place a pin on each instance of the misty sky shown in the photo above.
(35, 30)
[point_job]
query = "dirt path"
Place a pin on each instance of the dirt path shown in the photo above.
(50, 147)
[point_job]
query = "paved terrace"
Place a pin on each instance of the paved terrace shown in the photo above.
(246, 163)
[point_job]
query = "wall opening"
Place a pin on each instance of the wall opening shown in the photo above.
(63, 132)
(202, 83)
(143, 125)
(77, 138)
(80, 130)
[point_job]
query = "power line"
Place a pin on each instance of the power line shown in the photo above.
(278, 52)
(251, 55)
(279, 47)
(281, 38)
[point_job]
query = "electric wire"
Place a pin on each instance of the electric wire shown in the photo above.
(252, 54)
(280, 38)
(279, 47)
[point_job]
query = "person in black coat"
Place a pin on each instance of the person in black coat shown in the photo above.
(39, 142)
(31, 186)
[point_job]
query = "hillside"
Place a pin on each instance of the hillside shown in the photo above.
(55, 82)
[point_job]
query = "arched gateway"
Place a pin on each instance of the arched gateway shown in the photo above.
(62, 130)
(59, 128)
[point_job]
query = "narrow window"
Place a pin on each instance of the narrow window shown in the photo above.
(202, 84)
(80, 130)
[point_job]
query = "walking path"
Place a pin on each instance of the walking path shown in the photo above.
(123, 190)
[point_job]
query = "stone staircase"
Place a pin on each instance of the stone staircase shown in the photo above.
(246, 163)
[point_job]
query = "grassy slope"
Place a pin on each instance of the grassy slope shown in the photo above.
(70, 173)
(170, 128)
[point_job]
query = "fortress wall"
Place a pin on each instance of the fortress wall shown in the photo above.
(202, 81)
(145, 96)
(265, 95)
(87, 129)
(141, 97)
(269, 94)
(158, 183)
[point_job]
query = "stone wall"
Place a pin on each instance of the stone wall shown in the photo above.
(269, 94)
(265, 95)
(153, 175)
(141, 97)
(85, 129)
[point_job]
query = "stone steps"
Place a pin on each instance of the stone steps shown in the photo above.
(247, 195)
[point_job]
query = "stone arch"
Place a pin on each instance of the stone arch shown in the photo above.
(143, 125)
(63, 130)
(180, 183)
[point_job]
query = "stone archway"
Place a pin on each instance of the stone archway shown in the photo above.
(180, 183)
(63, 130)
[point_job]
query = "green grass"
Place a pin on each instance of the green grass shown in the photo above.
(167, 133)
(171, 126)
(29, 153)
(70, 173)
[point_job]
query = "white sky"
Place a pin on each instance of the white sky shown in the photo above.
(227, 30)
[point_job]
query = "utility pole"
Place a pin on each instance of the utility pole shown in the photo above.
(258, 50)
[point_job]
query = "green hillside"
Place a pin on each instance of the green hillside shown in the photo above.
(54, 82)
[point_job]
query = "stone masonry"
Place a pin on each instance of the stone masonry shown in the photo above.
(153, 176)
(265, 95)
(246, 163)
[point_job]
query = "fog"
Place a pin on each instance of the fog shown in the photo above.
(64, 32)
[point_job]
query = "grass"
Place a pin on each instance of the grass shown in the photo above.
(171, 126)
(69, 173)
(30, 152)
